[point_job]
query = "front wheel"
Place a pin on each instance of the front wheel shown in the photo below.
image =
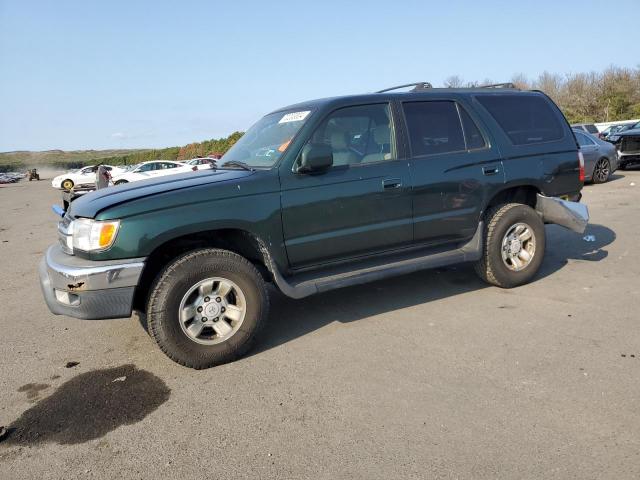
(121, 182)
(514, 244)
(207, 307)
(67, 184)
(601, 171)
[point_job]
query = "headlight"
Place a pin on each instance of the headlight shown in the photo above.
(92, 235)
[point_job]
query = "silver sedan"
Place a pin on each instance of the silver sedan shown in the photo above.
(600, 157)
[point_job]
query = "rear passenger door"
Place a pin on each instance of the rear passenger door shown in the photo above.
(454, 168)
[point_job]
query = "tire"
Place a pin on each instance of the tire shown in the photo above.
(499, 222)
(67, 184)
(121, 182)
(171, 290)
(601, 171)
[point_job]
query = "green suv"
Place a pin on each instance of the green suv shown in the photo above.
(316, 196)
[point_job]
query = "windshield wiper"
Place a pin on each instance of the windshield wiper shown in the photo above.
(236, 163)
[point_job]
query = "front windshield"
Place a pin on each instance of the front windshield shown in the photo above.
(132, 167)
(264, 143)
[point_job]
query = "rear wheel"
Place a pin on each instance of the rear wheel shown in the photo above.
(207, 307)
(601, 171)
(67, 184)
(514, 244)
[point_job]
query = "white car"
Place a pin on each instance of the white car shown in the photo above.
(82, 176)
(156, 168)
(202, 163)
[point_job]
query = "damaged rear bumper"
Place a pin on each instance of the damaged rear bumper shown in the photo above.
(572, 215)
(88, 289)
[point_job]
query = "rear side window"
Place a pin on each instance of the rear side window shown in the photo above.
(434, 127)
(583, 140)
(472, 134)
(526, 119)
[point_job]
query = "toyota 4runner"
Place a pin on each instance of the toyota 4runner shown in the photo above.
(322, 195)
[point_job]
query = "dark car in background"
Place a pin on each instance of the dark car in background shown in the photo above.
(627, 143)
(600, 157)
(617, 129)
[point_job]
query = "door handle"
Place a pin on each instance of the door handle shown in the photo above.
(391, 183)
(490, 170)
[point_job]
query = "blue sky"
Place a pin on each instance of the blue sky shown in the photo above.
(120, 74)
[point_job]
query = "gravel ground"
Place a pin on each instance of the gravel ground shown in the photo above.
(431, 375)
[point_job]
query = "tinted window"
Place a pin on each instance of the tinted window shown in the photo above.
(361, 134)
(583, 140)
(591, 128)
(434, 127)
(526, 119)
(472, 133)
(147, 167)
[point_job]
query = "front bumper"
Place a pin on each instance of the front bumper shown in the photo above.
(571, 215)
(88, 289)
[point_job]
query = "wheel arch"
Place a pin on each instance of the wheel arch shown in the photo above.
(236, 240)
(525, 194)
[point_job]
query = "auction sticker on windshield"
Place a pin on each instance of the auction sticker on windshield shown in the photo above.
(294, 116)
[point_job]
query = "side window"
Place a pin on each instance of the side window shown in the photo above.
(147, 167)
(168, 165)
(434, 127)
(583, 140)
(362, 134)
(472, 134)
(526, 119)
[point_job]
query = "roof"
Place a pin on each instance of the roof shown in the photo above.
(411, 95)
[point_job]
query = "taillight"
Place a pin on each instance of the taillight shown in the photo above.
(580, 166)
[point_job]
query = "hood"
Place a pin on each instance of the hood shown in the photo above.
(91, 204)
(633, 132)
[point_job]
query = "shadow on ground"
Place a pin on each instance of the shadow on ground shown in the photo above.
(290, 319)
(88, 406)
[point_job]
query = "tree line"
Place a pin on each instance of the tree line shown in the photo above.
(607, 96)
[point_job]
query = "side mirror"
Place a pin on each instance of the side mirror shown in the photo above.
(315, 158)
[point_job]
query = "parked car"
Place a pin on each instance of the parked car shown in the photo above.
(202, 163)
(147, 170)
(586, 127)
(600, 157)
(322, 195)
(627, 143)
(82, 176)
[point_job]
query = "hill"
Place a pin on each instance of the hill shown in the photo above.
(61, 159)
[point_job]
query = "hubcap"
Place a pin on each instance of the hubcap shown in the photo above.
(518, 246)
(212, 311)
(602, 170)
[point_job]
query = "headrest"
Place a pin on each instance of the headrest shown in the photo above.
(339, 140)
(382, 134)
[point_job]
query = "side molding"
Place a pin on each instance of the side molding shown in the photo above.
(471, 251)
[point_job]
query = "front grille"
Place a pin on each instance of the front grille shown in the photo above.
(64, 235)
(630, 145)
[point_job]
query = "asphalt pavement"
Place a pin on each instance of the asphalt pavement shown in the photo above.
(430, 375)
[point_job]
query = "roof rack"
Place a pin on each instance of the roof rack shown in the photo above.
(499, 85)
(417, 86)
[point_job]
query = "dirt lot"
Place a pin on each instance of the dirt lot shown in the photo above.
(432, 375)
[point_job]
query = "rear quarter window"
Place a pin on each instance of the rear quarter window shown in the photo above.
(526, 119)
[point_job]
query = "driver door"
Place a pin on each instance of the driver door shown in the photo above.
(360, 205)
